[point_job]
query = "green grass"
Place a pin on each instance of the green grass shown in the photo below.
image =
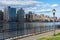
(57, 37)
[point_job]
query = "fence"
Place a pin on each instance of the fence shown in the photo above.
(11, 30)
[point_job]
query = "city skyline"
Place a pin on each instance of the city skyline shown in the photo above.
(36, 6)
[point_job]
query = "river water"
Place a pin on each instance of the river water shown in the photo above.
(14, 29)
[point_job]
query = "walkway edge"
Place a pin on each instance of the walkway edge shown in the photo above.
(24, 36)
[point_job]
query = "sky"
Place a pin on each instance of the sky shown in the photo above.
(36, 6)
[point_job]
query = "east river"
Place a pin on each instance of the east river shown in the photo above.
(14, 29)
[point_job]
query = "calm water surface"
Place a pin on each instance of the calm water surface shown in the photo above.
(13, 29)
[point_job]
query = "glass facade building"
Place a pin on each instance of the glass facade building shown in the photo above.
(12, 14)
(20, 15)
(1, 15)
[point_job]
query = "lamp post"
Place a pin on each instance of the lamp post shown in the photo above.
(54, 19)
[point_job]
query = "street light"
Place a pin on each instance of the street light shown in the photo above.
(54, 19)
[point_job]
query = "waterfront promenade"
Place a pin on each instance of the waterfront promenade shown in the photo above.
(34, 37)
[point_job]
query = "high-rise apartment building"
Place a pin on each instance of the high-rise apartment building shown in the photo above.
(9, 14)
(20, 15)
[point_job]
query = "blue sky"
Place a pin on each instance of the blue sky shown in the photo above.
(36, 6)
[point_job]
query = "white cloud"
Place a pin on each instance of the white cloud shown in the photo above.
(54, 5)
(44, 10)
(29, 5)
(19, 2)
(30, 9)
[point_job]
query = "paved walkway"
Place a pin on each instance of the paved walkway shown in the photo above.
(39, 35)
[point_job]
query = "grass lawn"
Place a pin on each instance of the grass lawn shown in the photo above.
(57, 37)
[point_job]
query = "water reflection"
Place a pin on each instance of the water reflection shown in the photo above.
(13, 29)
(20, 29)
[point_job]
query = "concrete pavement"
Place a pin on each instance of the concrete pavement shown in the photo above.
(34, 37)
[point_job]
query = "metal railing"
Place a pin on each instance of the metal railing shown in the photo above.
(8, 31)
